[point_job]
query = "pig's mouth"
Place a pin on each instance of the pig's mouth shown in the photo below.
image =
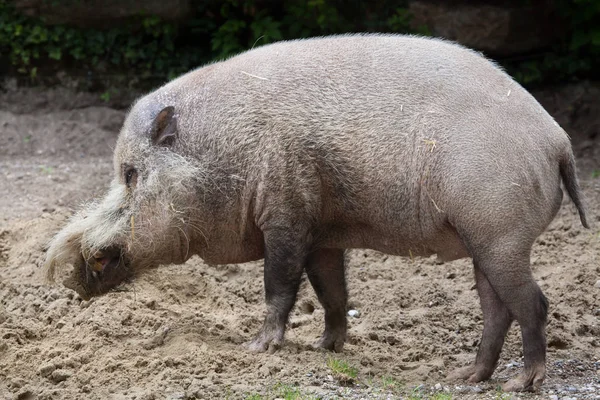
(104, 261)
(97, 275)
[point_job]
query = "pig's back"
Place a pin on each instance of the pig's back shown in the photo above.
(386, 119)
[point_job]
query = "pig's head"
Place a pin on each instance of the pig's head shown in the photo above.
(149, 215)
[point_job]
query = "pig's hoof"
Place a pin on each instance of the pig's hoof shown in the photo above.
(329, 342)
(463, 373)
(470, 373)
(528, 381)
(265, 343)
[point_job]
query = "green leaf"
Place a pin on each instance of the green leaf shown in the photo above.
(55, 53)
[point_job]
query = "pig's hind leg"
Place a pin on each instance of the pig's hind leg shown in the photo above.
(505, 265)
(496, 321)
(326, 273)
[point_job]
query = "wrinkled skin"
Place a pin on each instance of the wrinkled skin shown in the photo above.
(296, 151)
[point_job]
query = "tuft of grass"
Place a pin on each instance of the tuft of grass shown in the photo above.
(389, 383)
(343, 372)
(501, 395)
(596, 173)
(289, 392)
(282, 391)
(418, 395)
(46, 170)
(441, 396)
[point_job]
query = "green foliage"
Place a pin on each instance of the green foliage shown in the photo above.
(147, 46)
(151, 49)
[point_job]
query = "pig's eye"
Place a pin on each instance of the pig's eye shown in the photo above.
(130, 175)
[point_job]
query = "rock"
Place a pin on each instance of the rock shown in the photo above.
(354, 313)
(438, 386)
(553, 397)
(597, 284)
(500, 29)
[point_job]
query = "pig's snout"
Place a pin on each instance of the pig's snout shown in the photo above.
(99, 273)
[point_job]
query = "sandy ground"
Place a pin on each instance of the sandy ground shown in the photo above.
(177, 331)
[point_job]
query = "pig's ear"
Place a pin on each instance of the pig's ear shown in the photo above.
(164, 127)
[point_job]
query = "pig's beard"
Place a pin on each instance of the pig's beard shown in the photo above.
(149, 227)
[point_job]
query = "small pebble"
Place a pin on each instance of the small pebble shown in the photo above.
(438, 386)
(60, 375)
(597, 283)
(354, 313)
(47, 369)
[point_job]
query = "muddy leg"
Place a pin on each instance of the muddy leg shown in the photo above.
(496, 321)
(325, 270)
(285, 257)
(533, 332)
(506, 267)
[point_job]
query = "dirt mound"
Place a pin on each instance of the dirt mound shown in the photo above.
(177, 331)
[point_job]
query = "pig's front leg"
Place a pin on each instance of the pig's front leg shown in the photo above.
(286, 252)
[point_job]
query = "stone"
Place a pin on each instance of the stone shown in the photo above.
(500, 29)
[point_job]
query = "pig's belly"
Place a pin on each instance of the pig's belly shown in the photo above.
(446, 244)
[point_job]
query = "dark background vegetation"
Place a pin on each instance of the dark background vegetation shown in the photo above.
(137, 43)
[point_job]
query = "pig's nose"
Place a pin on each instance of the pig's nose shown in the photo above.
(103, 258)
